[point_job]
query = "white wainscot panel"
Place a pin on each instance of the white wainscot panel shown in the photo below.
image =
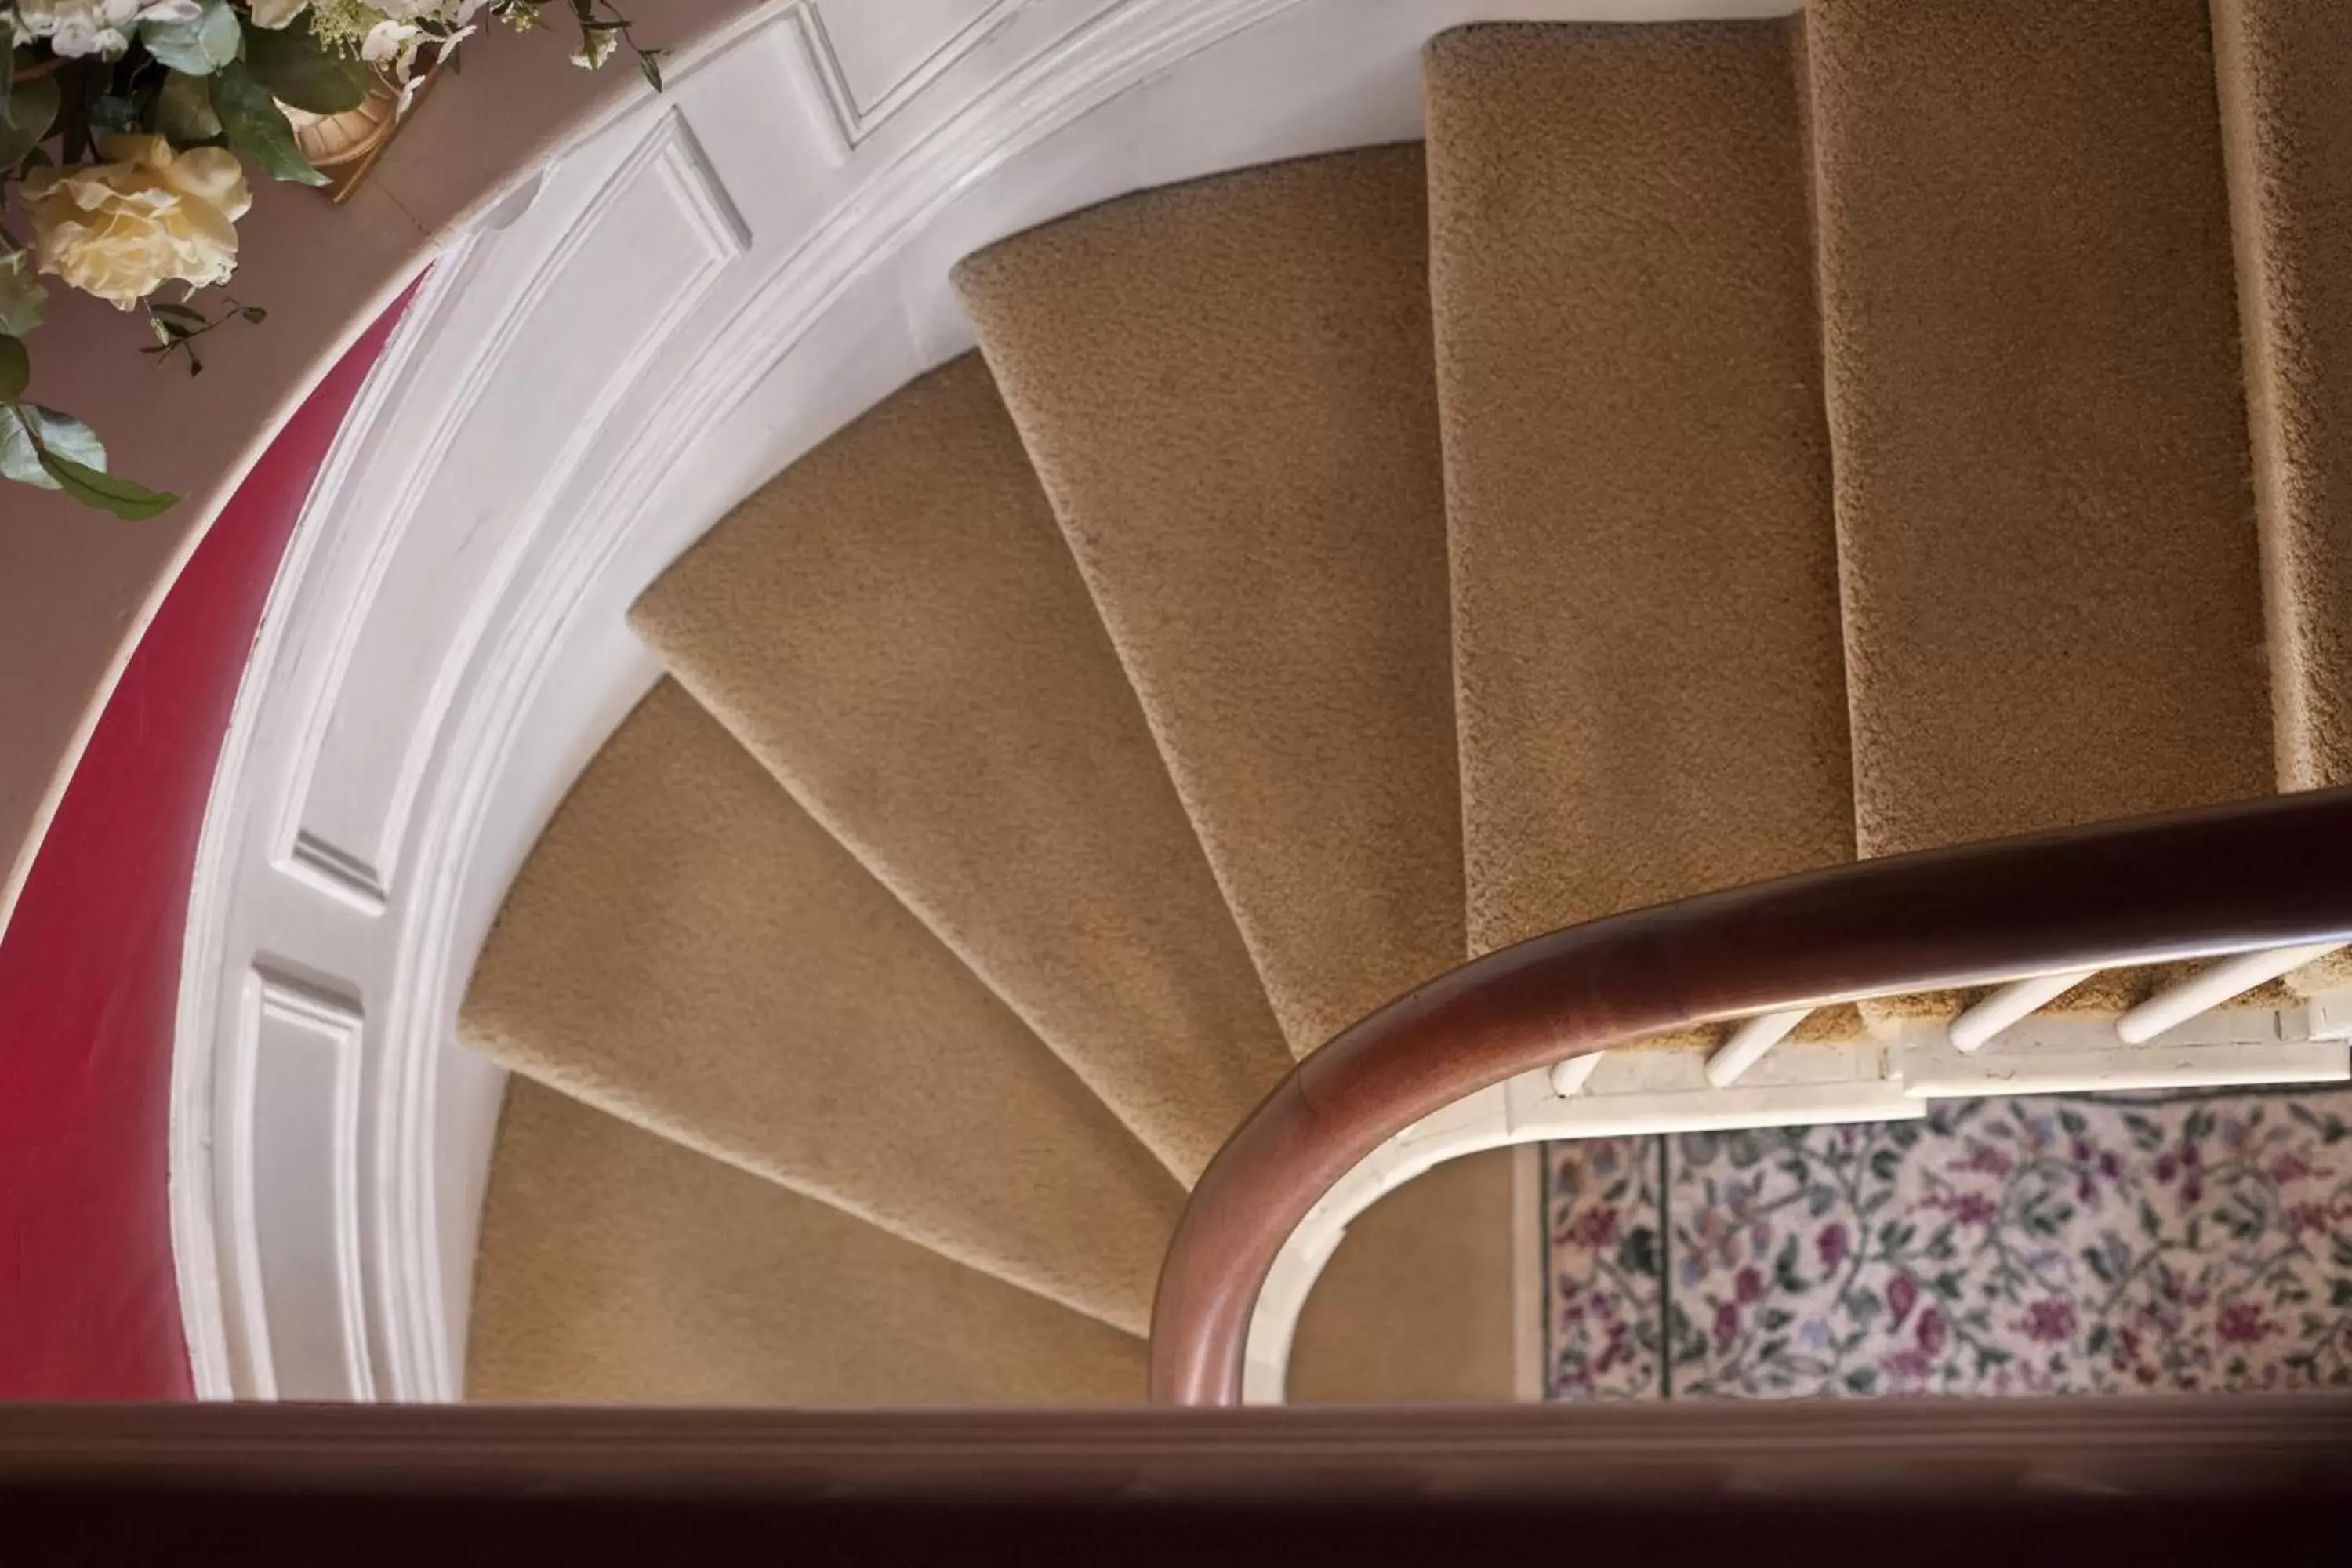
(659, 238)
(301, 1181)
(871, 58)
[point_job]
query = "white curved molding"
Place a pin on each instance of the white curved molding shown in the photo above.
(600, 362)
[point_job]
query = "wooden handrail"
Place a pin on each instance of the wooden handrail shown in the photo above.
(2260, 873)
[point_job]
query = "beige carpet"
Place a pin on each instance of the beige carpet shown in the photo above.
(1629, 367)
(2052, 600)
(687, 949)
(2286, 71)
(618, 1265)
(1420, 1301)
(2286, 101)
(1727, 448)
(895, 627)
(1226, 389)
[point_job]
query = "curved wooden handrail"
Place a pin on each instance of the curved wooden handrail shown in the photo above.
(2252, 874)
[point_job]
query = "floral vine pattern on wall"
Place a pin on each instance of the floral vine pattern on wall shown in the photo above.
(129, 130)
(2026, 1245)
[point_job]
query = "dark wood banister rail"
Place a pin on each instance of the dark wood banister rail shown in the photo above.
(2262, 873)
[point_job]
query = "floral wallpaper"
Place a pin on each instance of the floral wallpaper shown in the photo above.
(2022, 1246)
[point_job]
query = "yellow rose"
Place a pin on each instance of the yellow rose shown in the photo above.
(123, 229)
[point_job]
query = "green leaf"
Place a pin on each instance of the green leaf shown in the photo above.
(97, 487)
(27, 428)
(15, 369)
(184, 109)
(32, 110)
(256, 128)
(23, 300)
(297, 70)
(20, 459)
(179, 315)
(34, 430)
(199, 46)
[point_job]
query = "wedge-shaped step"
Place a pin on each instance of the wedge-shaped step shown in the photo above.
(686, 948)
(616, 1265)
(895, 628)
(2285, 70)
(1226, 389)
(2053, 601)
(1420, 1300)
(1652, 699)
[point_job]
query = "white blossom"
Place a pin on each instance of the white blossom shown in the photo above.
(76, 28)
(392, 42)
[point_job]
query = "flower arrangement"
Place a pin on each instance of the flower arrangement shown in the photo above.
(128, 132)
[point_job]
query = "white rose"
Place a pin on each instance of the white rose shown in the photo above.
(122, 229)
(274, 14)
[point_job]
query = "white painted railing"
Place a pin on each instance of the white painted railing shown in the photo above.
(1746, 1083)
(2011, 1005)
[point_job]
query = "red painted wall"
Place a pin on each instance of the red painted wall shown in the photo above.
(90, 968)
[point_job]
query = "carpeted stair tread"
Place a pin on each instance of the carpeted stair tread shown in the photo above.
(687, 949)
(2052, 596)
(618, 1266)
(2286, 71)
(894, 626)
(2286, 74)
(1226, 387)
(1650, 683)
(1729, 448)
(1419, 1302)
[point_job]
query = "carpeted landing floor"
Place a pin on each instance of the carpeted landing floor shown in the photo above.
(2052, 1244)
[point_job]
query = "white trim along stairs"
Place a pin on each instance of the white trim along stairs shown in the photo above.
(1571, 468)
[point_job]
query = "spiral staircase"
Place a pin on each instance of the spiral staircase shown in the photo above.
(1721, 450)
